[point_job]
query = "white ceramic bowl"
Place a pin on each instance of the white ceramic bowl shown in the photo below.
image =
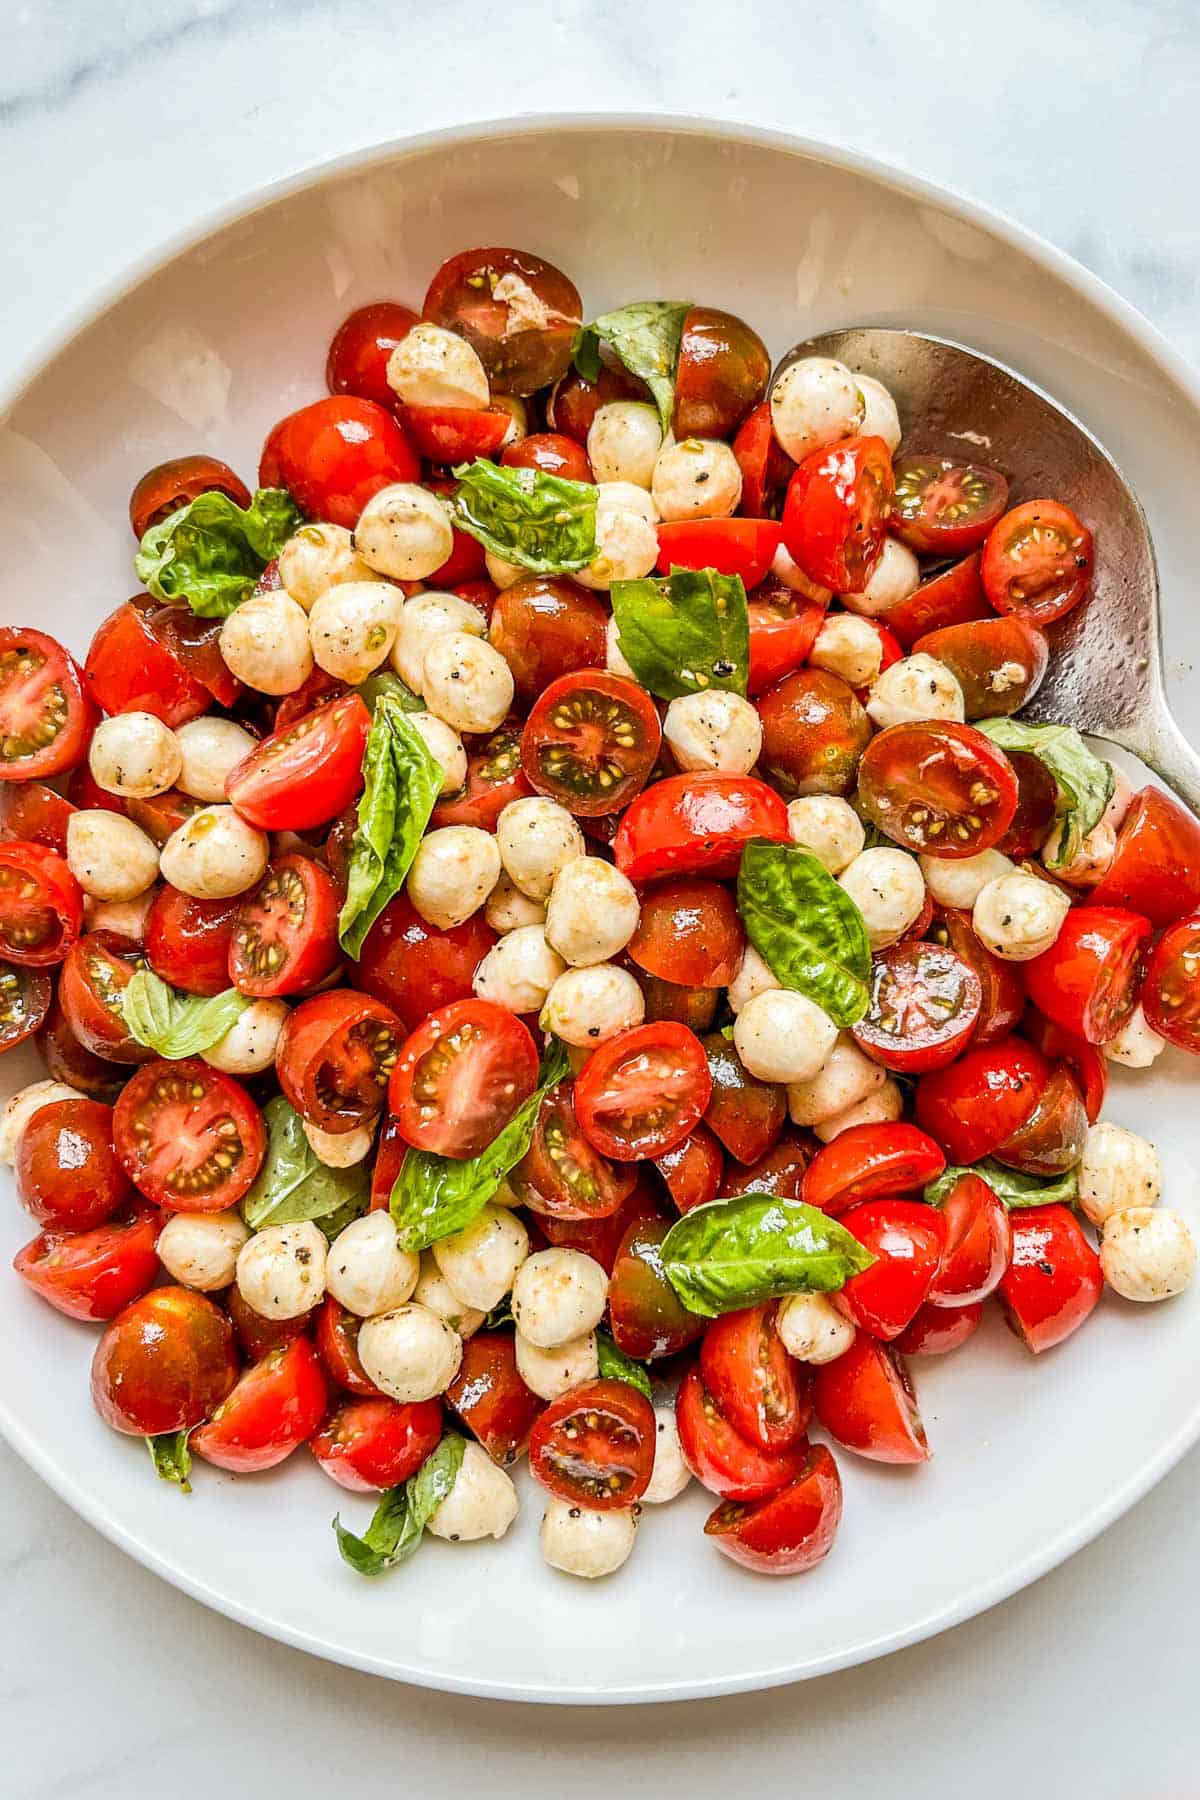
(204, 350)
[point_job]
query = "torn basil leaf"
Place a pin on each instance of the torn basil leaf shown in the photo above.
(734, 1253)
(401, 784)
(294, 1184)
(543, 522)
(398, 1523)
(806, 928)
(645, 337)
(1013, 1187)
(174, 1024)
(171, 1458)
(1084, 781)
(684, 633)
(211, 552)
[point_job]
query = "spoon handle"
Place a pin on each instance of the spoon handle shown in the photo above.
(1160, 744)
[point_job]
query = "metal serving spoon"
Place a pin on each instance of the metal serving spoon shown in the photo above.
(1105, 674)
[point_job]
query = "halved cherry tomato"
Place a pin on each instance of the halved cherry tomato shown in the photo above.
(695, 1007)
(746, 1114)
(738, 546)
(31, 811)
(1037, 562)
(170, 485)
(784, 626)
(277, 1405)
(196, 643)
(907, 1240)
(46, 712)
(187, 940)
(766, 467)
(369, 1445)
(937, 787)
(978, 1244)
(865, 1400)
(952, 596)
(936, 1330)
(94, 1274)
(1053, 1281)
(722, 372)
(643, 1091)
(1085, 1061)
(304, 776)
(1037, 803)
(69, 1061)
(814, 732)
(335, 455)
(314, 692)
(755, 1383)
(780, 1171)
(1003, 990)
(337, 1344)
(647, 1318)
(94, 976)
(1053, 1138)
(599, 1238)
(494, 777)
(361, 349)
(835, 518)
(998, 663)
(25, 996)
(416, 968)
(518, 312)
(455, 434)
(335, 1055)
(689, 932)
(788, 1532)
(550, 452)
(544, 627)
(943, 507)
(692, 1171)
(163, 1363)
(159, 815)
(41, 905)
(590, 741)
(189, 1137)
(68, 1176)
(1087, 981)
(719, 1456)
(283, 935)
(460, 1078)
(924, 1005)
(697, 824)
(1155, 869)
(871, 1162)
(258, 1336)
(561, 1175)
(981, 1099)
(130, 669)
(1171, 988)
(594, 1445)
(491, 1399)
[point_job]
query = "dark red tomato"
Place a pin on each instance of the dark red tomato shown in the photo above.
(159, 815)
(94, 976)
(865, 1400)
(335, 455)
(724, 1461)
(953, 596)
(1085, 1061)
(494, 777)
(760, 1391)
(1037, 562)
(1171, 988)
(697, 824)
(780, 1171)
(94, 1274)
(938, 788)
(25, 996)
(35, 813)
(1087, 981)
(304, 776)
(369, 1445)
(189, 1137)
(314, 692)
(460, 1078)
(984, 1097)
(599, 1238)
(416, 968)
(943, 507)
(41, 905)
(276, 1406)
(1037, 803)
(814, 732)
(1003, 990)
(550, 452)
(68, 1176)
(46, 713)
(694, 1007)
(590, 741)
(518, 312)
(337, 1343)
(257, 1336)
(936, 1330)
(1054, 1280)
(722, 373)
(739, 546)
(69, 1061)
(130, 669)
(561, 1176)
(647, 1318)
(594, 1445)
(163, 1363)
(998, 663)
(643, 1091)
(491, 1399)
(745, 1113)
(924, 1005)
(689, 932)
(187, 941)
(283, 936)
(788, 1532)
(361, 347)
(835, 518)
(455, 434)
(545, 627)
(335, 1055)
(170, 485)
(907, 1240)
(978, 1243)
(766, 467)
(575, 401)
(1155, 869)
(871, 1162)
(784, 626)
(1054, 1136)
(692, 1171)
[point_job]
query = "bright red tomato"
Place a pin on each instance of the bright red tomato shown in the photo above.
(455, 434)
(276, 1406)
(697, 824)
(975, 654)
(784, 626)
(722, 1459)
(1087, 981)
(938, 788)
(518, 312)
(766, 467)
(643, 1091)
(692, 1171)
(1171, 989)
(41, 905)
(979, 1101)
(98, 969)
(68, 1176)
(491, 1399)
(544, 627)
(170, 485)
(865, 1400)
(94, 1274)
(187, 940)
(335, 455)
(1155, 870)
(189, 1137)
(814, 733)
(835, 518)
(746, 1114)
(335, 1055)
(739, 546)
(1001, 984)
(1037, 562)
(35, 813)
(953, 596)
(943, 507)
(561, 1176)
(460, 1078)
(648, 1321)
(1086, 1063)
(46, 714)
(780, 1171)
(337, 1345)
(936, 1330)
(907, 1240)
(25, 996)
(1053, 1138)
(494, 777)
(370, 1445)
(283, 935)
(978, 1244)
(689, 932)
(550, 452)
(130, 669)
(755, 1383)
(304, 776)
(925, 1002)
(871, 1162)
(163, 1363)
(722, 372)
(257, 1336)
(590, 741)
(788, 1532)
(361, 349)
(1054, 1280)
(594, 1445)
(416, 968)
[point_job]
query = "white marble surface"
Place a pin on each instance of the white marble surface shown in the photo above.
(120, 121)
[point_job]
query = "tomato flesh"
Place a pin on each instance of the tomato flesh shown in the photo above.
(1087, 981)
(41, 905)
(784, 626)
(865, 1400)
(594, 1445)
(952, 596)
(130, 669)
(761, 1391)
(305, 775)
(1171, 988)
(978, 1245)
(924, 1005)
(945, 508)
(334, 1058)
(590, 741)
(163, 489)
(835, 518)
(460, 1078)
(94, 1274)
(643, 1091)
(490, 1397)
(283, 936)
(371, 1445)
(1037, 562)
(25, 996)
(188, 1137)
(724, 1461)
(561, 1176)
(742, 547)
(871, 1162)
(788, 1532)
(97, 970)
(937, 788)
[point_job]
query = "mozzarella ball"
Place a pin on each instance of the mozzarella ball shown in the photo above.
(829, 827)
(367, 1271)
(714, 730)
(586, 1006)
(849, 647)
(434, 1291)
(466, 682)
(614, 657)
(248, 1047)
(126, 917)
(1118, 1169)
(895, 577)
(558, 1295)
(880, 418)
(110, 857)
(549, 1373)
(215, 854)
(881, 1107)
(452, 874)
(411, 1353)
(754, 977)
(1119, 801)
(480, 1262)
(445, 746)
(578, 1540)
(20, 1108)
(482, 1503)
(425, 617)
(959, 880)
(341, 1149)
(404, 531)
(812, 1329)
(1018, 916)
(846, 1077)
(317, 557)
(888, 888)
(793, 576)
(353, 626)
(783, 1036)
(264, 642)
(281, 1270)
(508, 909)
(916, 687)
(134, 754)
(537, 838)
(518, 417)
(200, 1250)
(670, 1474)
(209, 748)
(1090, 861)
(592, 913)
(434, 367)
(626, 541)
(815, 402)
(519, 971)
(623, 442)
(1137, 1045)
(699, 478)
(626, 496)
(505, 574)
(1147, 1253)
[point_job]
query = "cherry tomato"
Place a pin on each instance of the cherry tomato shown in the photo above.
(695, 1007)
(335, 455)
(788, 1532)
(257, 1336)
(361, 347)
(719, 1456)
(46, 713)
(766, 467)
(575, 401)
(159, 815)
(552, 453)
(276, 1406)
(924, 1005)
(784, 626)
(871, 1162)
(130, 669)
(315, 691)
(952, 596)
(1002, 987)
(467, 561)
(761, 1392)
(938, 788)
(494, 777)
(163, 1363)
(780, 1171)
(835, 518)
(1171, 988)
(94, 976)
(94, 1274)
(689, 932)
(369, 1445)
(1052, 1139)
(1054, 1279)
(594, 1445)
(943, 507)
(739, 546)
(590, 741)
(416, 968)
(544, 627)
(196, 644)
(1087, 981)
(35, 813)
(335, 1055)
(907, 1240)
(998, 663)
(697, 824)
(1037, 803)
(978, 1243)
(491, 1399)
(304, 776)
(170, 485)
(25, 996)
(283, 935)
(67, 1060)
(936, 1330)
(1085, 1061)
(460, 1078)
(692, 1171)
(865, 1400)
(814, 731)
(337, 1344)
(561, 1175)
(1155, 869)
(647, 1318)
(188, 1136)
(746, 1114)
(455, 434)
(722, 373)
(68, 1176)
(187, 940)
(518, 312)
(599, 1238)
(41, 905)
(1037, 562)
(981, 1099)
(643, 1091)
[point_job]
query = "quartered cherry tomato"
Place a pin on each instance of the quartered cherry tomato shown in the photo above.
(170, 485)
(545, 627)
(689, 932)
(455, 434)
(335, 455)
(814, 732)
(722, 372)
(187, 941)
(1037, 803)
(491, 1399)
(978, 1244)
(746, 1114)
(647, 1318)
(68, 1176)
(924, 1005)
(130, 669)
(561, 1176)
(416, 968)
(871, 1162)
(257, 1336)
(1171, 989)
(719, 1456)
(740, 546)
(1086, 1063)
(1052, 1139)
(590, 741)
(692, 1170)
(952, 596)
(943, 507)
(159, 815)
(643, 1091)
(907, 1240)
(460, 1078)
(1155, 869)
(34, 812)
(697, 824)
(41, 905)
(936, 1330)
(189, 1137)
(766, 467)
(550, 452)
(337, 1345)
(1087, 981)
(981, 1099)
(277, 1405)
(1037, 562)
(937, 787)
(789, 1531)
(784, 626)
(94, 976)
(518, 312)
(760, 1390)
(361, 348)
(335, 1055)
(780, 1171)
(304, 776)
(371, 1445)
(95, 1274)
(25, 996)
(283, 935)
(164, 1363)
(47, 714)
(594, 1445)
(1053, 1281)
(1002, 987)
(998, 663)
(835, 518)
(865, 1400)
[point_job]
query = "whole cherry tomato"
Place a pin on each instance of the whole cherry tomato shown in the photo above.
(1053, 1281)
(335, 455)
(550, 452)
(814, 733)
(746, 1114)
(907, 1240)
(416, 968)
(187, 940)
(361, 348)
(164, 1363)
(545, 627)
(722, 372)
(648, 1321)
(68, 1176)
(689, 932)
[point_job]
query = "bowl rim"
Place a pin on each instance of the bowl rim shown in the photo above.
(65, 1480)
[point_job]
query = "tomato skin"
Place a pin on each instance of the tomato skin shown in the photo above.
(416, 968)
(519, 357)
(94, 1274)
(41, 905)
(907, 1239)
(188, 941)
(561, 1176)
(159, 815)
(814, 733)
(360, 349)
(1054, 1280)
(283, 934)
(1037, 800)
(304, 776)
(936, 1330)
(70, 1061)
(599, 1238)
(836, 514)
(544, 627)
(213, 1114)
(865, 1400)
(336, 454)
(594, 1445)
(552, 453)
(780, 1171)
(460, 1078)
(643, 1091)
(692, 1171)
(277, 1405)
(256, 1336)
(978, 1245)
(575, 401)
(1002, 985)
(369, 1445)
(647, 1319)
(979, 1101)
(766, 467)
(334, 1057)
(1155, 869)
(924, 1005)
(871, 1162)
(784, 626)
(490, 1397)
(35, 813)
(1054, 1136)
(788, 1532)
(163, 1363)
(974, 651)
(1037, 562)
(336, 1337)
(720, 1458)
(952, 596)
(689, 932)
(1171, 988)
(314, 691)
(1087, 981)
(68, 1176)
(196, 644)
(746, 1114)
(741, 546)
(163, 489)
(570, 749)
(98, 968)
(755, 1383)
(697, 824)
(944, 507)
(695, 1007)
(722, 373)
(25, 996)
(130, 669)
(937, 788)
(454, 434)
(1086, 1063)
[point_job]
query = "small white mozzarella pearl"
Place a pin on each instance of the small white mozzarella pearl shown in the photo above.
(888, 888)
(281, 1270)
(847, 1076)
(340, 1149)
(558, 1295)
(626, 541)
(699, 478)
(215, 854)
(623, 442)
(353, 626)
(586, 1006)
(480, 1262)
(713, 730)
(812, 1329)
(482, 1503)
(410, 1352)
(670, 1474)
(1091, 860)
(880, 1108)
(210, 748)
(200, 1250)
(518, 415)
(917, 687)
(1137, 1045)
(318, 557)
(508, 909)
(1118, 1169)
(367, 1271)
(880, 418)
(849, 647)
(249, 1045)
(505, 574)
(445, 746)
(815, 402)
(264, 642)
(425, 617)
(959, 880)
(1119, 800)
(549, 1373)
(537, 838)
(110, 857)
(592, 913)
(895, 577)
(519, 971)
(20, 1108)
(1018, 916)
(578, 1540)
(1147, 1253)
(793, 576)
(626, 496)
(452, 874)
(754, 977)
(135, 754)
(614, 656)
(404, 531)
(434, 1291)
(126, 917)
(466, 682)
(434, 367)
(829, 827)
(783, 1036)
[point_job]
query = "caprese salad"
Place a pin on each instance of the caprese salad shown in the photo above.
(549, 935)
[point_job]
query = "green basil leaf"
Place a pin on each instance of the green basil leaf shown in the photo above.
(501, 1314)
(294, 1184)
(435, 1196)
(685, 633)
(616, 1366)
(398, 1523)
(733, 1253)
(171, 1457)
(806, 928)
(382, 683)
(1085, 781)
(1013, 1187)
(401, 783)
(645, 337)
(211, 552)
(540, 521)
(173, 1024)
